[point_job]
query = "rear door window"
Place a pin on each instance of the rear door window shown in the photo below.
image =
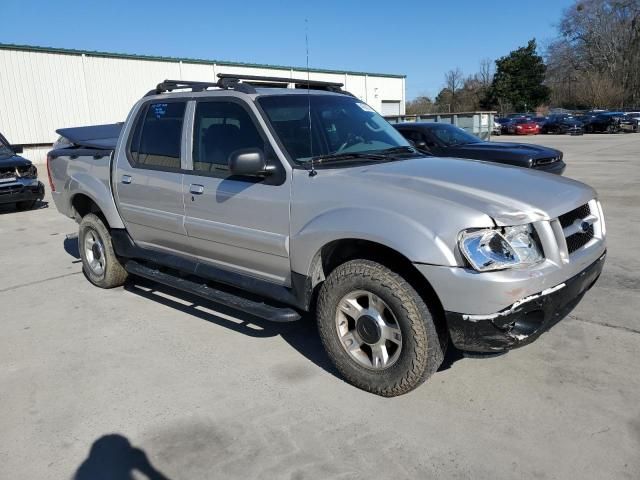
(158, 136)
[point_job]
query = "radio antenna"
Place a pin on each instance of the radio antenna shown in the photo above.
(313, 172)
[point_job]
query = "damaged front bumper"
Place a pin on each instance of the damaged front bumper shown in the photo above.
(525, 320)
(21, 190)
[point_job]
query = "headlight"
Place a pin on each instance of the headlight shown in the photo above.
(496, 249)
(29, 171)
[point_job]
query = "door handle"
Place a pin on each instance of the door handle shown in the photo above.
(126, 179)
(196, 189)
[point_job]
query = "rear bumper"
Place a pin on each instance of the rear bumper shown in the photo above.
(525, 320)
(21, 191)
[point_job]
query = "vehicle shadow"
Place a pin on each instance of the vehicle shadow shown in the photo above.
(7, 208)
(113, 457)
(301, 335)
(71, 246)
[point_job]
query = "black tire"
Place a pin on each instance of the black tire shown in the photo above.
(422, 350)
(26, 205)
(113, 274)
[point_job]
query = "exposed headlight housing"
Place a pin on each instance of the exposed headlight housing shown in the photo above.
(497, 249)
(28, 171)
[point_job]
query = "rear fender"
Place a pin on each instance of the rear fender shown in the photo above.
(98, 191)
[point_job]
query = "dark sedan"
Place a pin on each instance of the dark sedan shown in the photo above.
(18, 178)
(445, 140)
(562, 124)
(610, 122)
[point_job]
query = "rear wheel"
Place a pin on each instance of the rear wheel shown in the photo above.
(99, 261)
(377, 329)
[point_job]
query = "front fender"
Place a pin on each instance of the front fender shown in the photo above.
(98, 191)
(396, 231)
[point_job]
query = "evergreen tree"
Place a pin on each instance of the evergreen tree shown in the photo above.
(518, 80)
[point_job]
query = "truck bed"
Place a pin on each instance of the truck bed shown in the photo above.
(82, 165)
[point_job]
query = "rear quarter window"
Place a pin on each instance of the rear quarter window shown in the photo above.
(157, 136)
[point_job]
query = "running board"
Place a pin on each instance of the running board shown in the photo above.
(262, 310)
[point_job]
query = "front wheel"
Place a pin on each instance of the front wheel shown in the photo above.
(99, 261)
(376, 329)
(25, 205)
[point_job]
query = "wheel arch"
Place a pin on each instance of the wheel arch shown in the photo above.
(89, 194)
(339, 251)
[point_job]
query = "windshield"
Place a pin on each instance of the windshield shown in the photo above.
(451, 135)
(5, 150)
(340, 124)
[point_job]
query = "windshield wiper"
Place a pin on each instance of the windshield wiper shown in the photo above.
(400, 149)
(349, 156)
(404, 150)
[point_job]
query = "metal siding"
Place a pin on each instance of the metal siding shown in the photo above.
(43, 91)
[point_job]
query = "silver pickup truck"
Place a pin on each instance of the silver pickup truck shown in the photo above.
(279, 201)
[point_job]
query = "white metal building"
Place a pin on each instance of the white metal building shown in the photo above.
(43, 89)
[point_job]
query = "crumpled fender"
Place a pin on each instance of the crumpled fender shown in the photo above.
(410, 238)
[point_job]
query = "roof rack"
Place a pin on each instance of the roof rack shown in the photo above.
(245, 84)
(316, 84)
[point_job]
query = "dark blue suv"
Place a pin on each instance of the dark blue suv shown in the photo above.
(18, 178)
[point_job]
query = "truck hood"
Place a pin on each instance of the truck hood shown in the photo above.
(14, 161)
(509, 195)
(499, 149)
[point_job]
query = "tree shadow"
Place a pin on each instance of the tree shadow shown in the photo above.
(112, 457)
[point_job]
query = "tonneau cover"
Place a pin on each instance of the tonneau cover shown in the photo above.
(104, 137)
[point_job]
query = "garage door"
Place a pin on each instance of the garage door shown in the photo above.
(390, 107)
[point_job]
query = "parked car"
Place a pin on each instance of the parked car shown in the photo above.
(562, 124)
(228, 191)
(504, 124)
(446, 140)
(609, 122)
(540, 121)
(635, 116)
(18, 178)
(497, 128)
(523, 126)
(518, 115)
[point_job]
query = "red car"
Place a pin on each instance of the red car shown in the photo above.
(523, 126)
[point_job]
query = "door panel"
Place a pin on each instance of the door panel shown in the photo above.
(237, 223)
(148, 179)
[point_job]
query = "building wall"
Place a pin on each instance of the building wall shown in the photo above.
(42, 91)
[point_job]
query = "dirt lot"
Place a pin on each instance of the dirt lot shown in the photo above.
(137, 378)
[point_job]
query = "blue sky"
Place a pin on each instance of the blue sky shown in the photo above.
(421, 39)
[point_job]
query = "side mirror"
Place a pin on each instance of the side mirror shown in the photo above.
(421, 145)
(16, 148)
(248, 162)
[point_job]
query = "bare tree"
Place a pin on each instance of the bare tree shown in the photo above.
(597, 57)
(418, 105)
(485, 74)
(453, 83)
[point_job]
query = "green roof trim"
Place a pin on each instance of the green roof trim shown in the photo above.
(131, 56)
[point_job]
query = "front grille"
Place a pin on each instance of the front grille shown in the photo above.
(7, 172)
(580, 239)
(546, 161)
(570, 217)
(577, 239)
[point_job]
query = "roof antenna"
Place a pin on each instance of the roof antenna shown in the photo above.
(312, 172)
